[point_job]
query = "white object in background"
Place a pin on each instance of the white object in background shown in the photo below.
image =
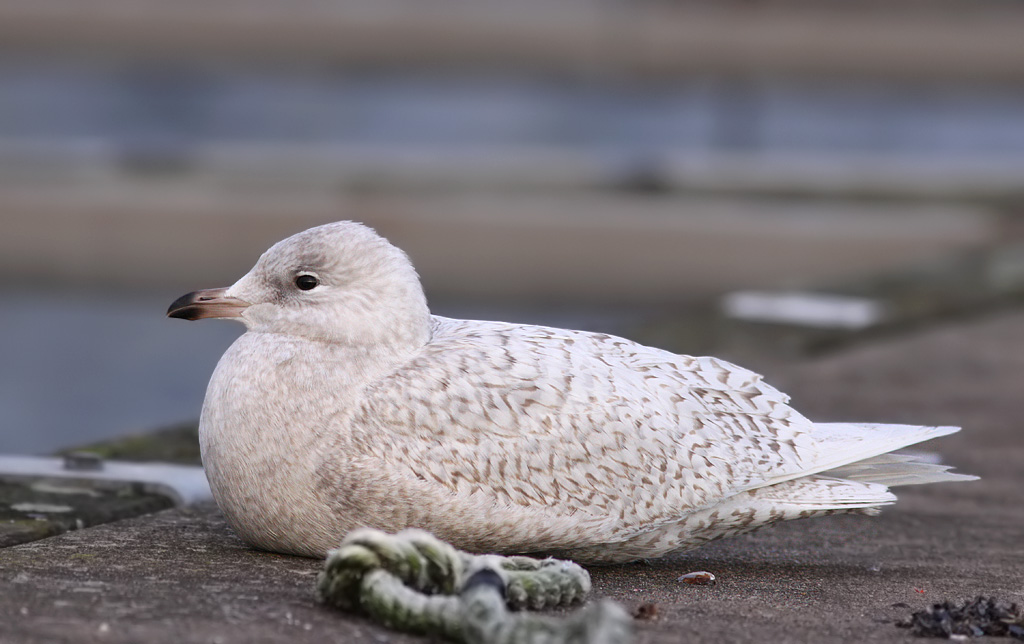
(819, 310)
(184, 483)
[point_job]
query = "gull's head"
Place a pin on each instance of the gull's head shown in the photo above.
(339, 283)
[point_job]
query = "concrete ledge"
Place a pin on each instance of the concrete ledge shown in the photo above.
(37, 507)
(182, 575)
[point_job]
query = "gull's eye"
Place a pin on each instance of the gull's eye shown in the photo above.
(306, 282)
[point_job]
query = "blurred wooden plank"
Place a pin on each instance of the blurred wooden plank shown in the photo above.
(993, 179)
(903, 40)
(559, 246)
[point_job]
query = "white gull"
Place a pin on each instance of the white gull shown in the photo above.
(347, 404)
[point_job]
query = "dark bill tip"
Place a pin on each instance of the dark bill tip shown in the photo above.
(209, 303)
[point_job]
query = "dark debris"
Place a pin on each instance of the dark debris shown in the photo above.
(981, 616)
(645, 611)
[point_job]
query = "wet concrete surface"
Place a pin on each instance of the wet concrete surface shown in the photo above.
(33, 509)
(181, 575)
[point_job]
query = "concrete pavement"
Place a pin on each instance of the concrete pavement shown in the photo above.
(181, 575)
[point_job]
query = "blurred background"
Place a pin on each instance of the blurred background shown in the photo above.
(750, 177)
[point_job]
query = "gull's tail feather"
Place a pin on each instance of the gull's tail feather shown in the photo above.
(867, 453)
(863, 450)
(892, 470)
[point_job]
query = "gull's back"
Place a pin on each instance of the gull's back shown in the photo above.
(521, 438)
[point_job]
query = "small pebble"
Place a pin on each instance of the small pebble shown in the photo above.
(699, 578)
